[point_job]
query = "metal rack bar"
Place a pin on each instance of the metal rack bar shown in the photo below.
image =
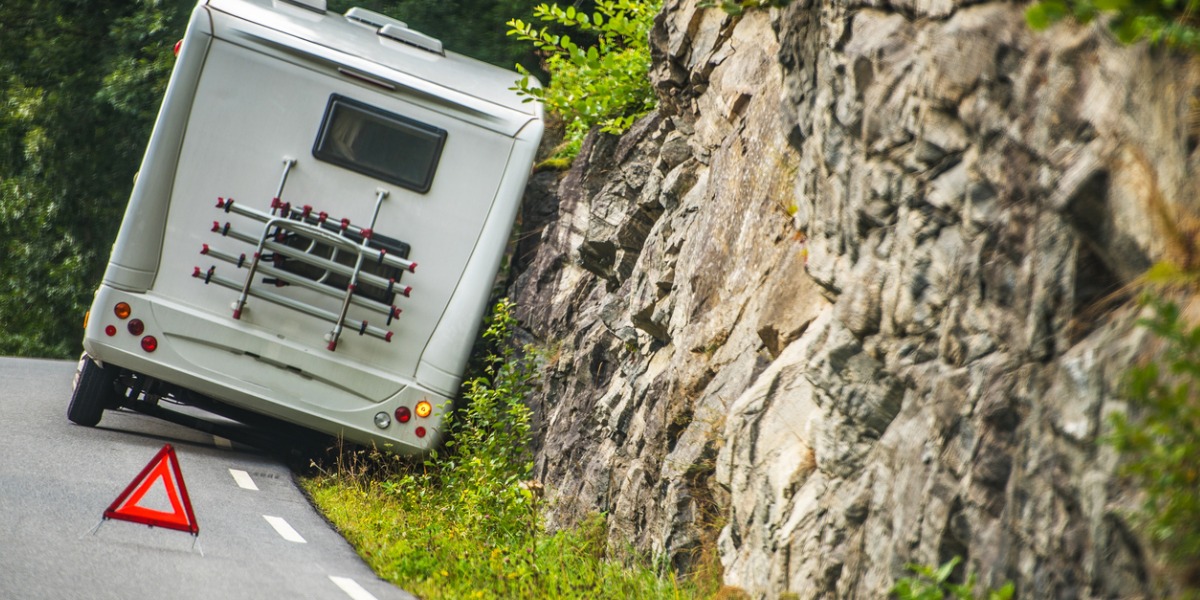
(285, 221)
(391, 312)
(320, 221)
(323, 263)
(380, 195)
(363, 328)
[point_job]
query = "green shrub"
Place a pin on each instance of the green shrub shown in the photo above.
(606, 84)
(1161, 439)
(1170, 22)
(466, 522)
(935, 584)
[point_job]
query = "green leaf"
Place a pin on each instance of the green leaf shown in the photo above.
(943, 572)
(1043, 14)
(1127, 29)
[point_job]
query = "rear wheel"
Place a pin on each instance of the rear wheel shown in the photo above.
(93, 392)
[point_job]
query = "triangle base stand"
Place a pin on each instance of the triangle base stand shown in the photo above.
(195, 537)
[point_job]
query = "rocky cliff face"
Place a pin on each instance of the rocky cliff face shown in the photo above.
(856, 297)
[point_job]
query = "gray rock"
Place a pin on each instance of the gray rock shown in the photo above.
(848, 297)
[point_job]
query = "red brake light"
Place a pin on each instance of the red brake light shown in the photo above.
(403, 414)
(136, 327)
(149, 343)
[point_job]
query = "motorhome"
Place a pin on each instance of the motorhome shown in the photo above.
(315, 229)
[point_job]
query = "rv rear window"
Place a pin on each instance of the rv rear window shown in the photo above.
(379, 144)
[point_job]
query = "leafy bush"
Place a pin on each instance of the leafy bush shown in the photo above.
(606, 84)
(935, 584)
(1162, 443)
(1171, 22)
(466, 522)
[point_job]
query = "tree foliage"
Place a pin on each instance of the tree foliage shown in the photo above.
(79, 87)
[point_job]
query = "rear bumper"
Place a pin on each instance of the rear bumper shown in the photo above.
(260, 372)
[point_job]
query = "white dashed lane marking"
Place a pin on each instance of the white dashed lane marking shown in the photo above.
(243, 480)
(352, 589)
(284, 530)
(221, 442)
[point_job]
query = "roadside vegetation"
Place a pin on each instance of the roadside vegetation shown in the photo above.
(1174, 23)
(466, 522)
(935, 583)
(1159, 440)
(599, 78)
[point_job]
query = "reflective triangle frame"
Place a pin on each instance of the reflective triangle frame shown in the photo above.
(164, 466)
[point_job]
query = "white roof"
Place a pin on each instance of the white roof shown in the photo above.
(363, 41)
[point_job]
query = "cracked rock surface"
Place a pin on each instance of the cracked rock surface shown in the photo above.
(856, 296)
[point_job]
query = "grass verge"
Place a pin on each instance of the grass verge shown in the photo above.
(466, 523)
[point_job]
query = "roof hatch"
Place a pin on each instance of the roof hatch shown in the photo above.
(372, 18)
(417, 39)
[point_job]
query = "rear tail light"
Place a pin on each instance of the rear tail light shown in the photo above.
(403, 414)
(136, 327)
(149, 343)
(110, 331)
(420, 431)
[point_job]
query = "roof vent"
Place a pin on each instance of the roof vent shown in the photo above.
(372, 18)
(417, 39)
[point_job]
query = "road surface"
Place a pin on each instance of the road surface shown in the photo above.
(259, 536)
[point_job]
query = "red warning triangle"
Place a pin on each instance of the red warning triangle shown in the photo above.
(163, 467)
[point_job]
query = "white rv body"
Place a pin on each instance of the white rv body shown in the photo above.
(263, 95)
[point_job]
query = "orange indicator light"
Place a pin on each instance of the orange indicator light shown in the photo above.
(424, 409)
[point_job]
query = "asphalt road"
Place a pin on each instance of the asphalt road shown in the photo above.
(56, 479)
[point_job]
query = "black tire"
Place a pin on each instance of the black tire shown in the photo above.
(93, 393)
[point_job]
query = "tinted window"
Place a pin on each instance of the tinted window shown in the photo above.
(379, 144)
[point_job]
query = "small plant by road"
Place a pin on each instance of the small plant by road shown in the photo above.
(1160, 440)
(933, 583)
(466, 522)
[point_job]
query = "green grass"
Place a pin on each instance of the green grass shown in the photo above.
(467, 522)
(414, 540)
